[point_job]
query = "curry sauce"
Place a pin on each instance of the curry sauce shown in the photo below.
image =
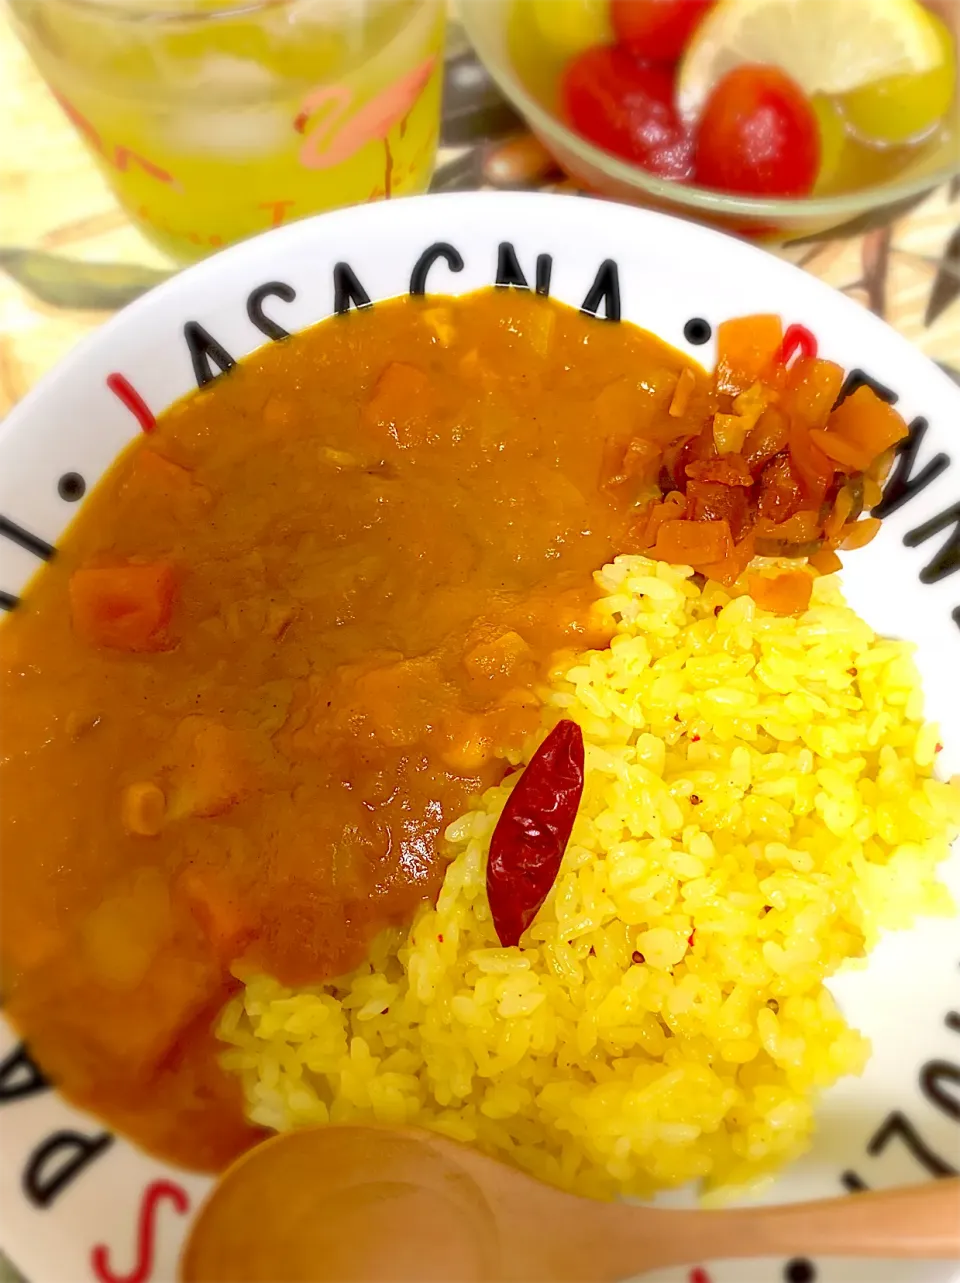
(355, 555)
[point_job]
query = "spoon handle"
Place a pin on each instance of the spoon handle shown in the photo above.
(916, 1221)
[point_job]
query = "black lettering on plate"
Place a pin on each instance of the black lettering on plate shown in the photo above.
(898, 1124)
(8, 601)
(347, 289)
(59, 1160)
(697, 331)
(605, 289)
(33, 543)
(272, 289)
(71, 487)
(955, 616)
(442, 249)
(952, 1018)
(852, 1182)
(509, 271)
(947, 559)
(205, 349)
(544, 273)
(933, 1076)
(799, 1270)
(19, 1076)
(902, 486)
(860, 379)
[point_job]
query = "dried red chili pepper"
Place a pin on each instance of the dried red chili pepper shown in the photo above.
(533, 831)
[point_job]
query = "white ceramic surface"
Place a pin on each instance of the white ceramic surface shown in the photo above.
(78, 1205)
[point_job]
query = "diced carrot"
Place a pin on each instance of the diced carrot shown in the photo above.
(825, 562)
(813, 467)
(693, 543)
(682, 393)
(746, 349)
(123, 607)
(847, 454)
(728, 571)
(860, 533)
(812, 387)
(867, 424)
(673, 508)
(786, 593)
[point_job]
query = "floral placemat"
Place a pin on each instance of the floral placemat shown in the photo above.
(69, 257)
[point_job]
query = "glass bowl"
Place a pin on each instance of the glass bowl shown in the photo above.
(486, 24)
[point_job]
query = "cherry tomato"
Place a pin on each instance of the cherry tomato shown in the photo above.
(627, 108)
(758, 134)
(656, 29)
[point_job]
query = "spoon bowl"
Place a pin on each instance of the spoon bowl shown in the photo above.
(366, 1204)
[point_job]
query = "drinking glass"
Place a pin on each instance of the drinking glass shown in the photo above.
(215, 119)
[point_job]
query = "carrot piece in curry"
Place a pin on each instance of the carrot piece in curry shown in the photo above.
(746, 349)
(123, 607)
(786, 593)
(693, 543)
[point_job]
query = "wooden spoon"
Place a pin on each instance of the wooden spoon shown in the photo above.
(366, 1204)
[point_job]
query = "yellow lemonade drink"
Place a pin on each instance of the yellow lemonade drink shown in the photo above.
(217, 119)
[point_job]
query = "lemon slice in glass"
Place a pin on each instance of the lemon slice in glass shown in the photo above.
(827, 46)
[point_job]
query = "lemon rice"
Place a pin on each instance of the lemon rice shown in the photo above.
(759, 802)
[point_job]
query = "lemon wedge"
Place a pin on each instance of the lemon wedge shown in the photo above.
(827, 46)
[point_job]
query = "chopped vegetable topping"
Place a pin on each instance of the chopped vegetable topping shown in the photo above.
(778, 469)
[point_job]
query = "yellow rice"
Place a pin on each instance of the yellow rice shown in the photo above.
(761, 786)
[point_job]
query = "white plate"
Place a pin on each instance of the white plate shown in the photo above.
(78, 1204)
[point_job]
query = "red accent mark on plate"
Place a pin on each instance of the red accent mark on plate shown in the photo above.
(797, 339)
(124, 390)
(699, 1276)
(146, 1235)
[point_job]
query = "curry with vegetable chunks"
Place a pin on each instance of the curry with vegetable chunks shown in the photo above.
(300, 625)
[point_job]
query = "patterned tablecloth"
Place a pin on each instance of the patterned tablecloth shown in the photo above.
(69, 256)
